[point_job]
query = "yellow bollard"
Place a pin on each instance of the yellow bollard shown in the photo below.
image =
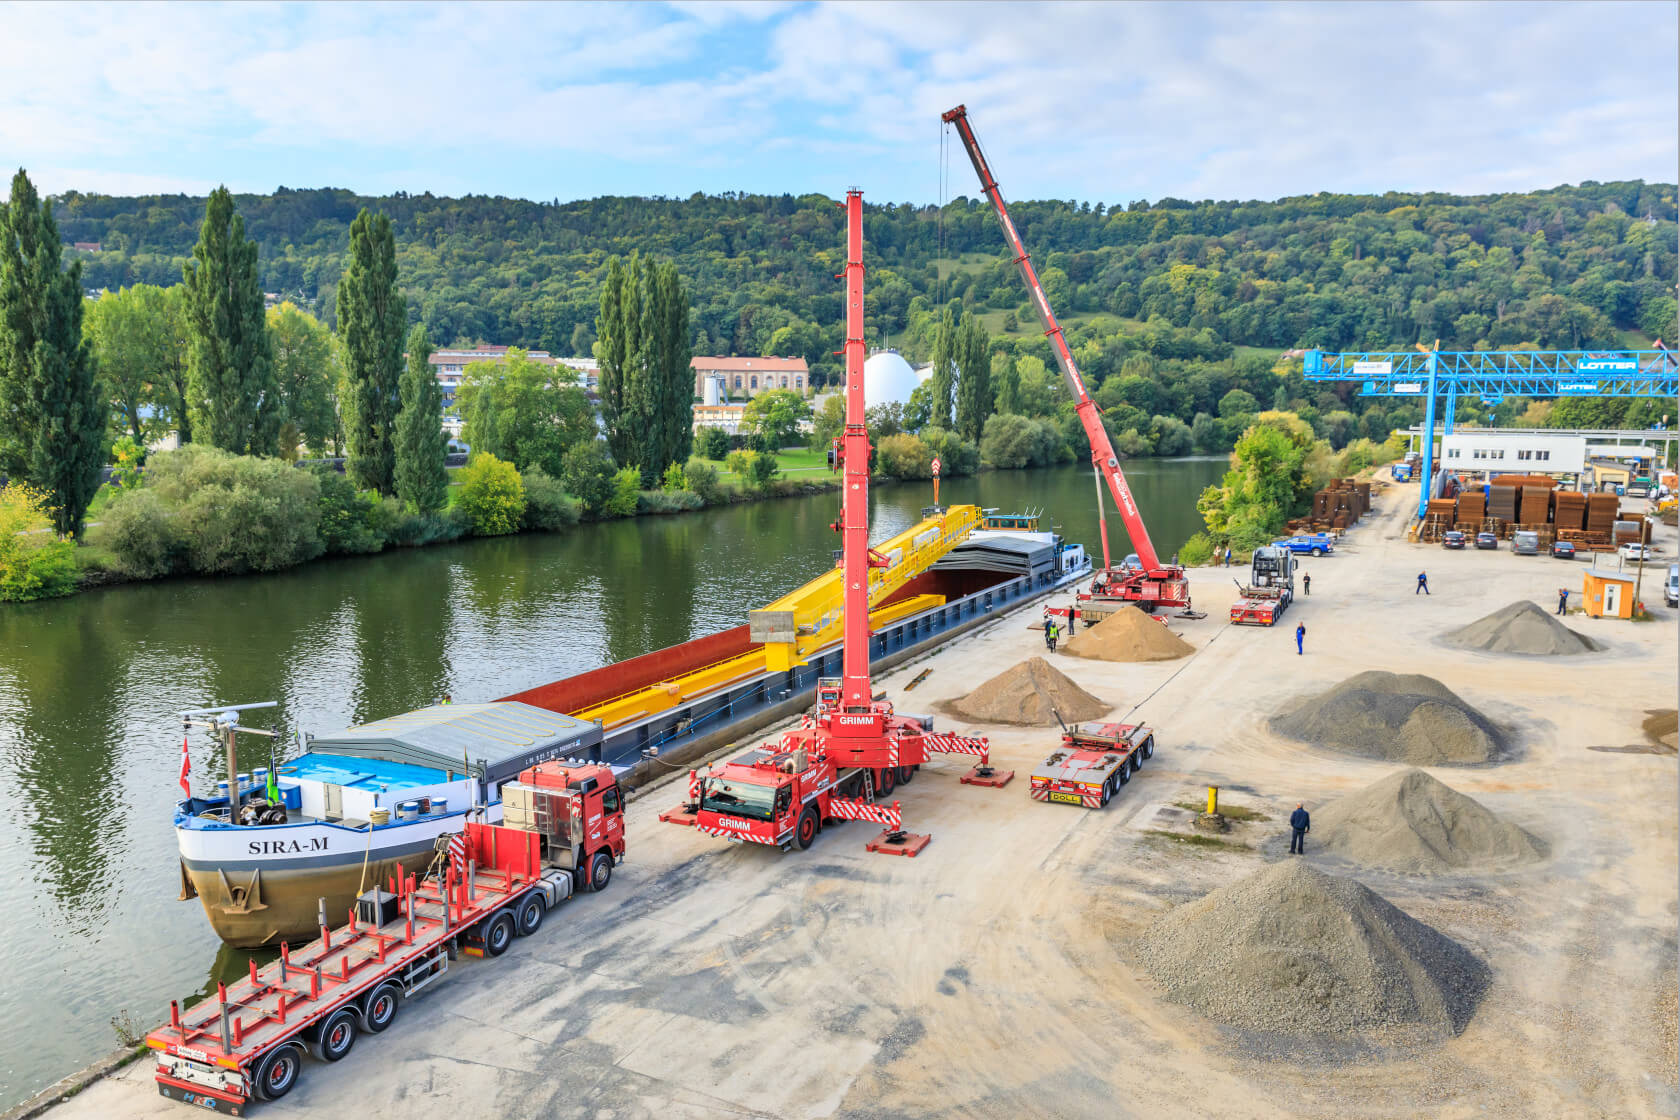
(1213, 800)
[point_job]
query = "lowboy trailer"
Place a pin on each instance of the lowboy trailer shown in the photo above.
(488, 885)
(1270, 590)
(1092, 763)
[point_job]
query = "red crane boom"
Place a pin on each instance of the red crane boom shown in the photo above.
(1103, 457)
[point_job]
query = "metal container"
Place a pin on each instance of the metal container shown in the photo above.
(408, 810)
(440, 806)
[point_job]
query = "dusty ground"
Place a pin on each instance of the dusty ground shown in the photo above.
(991, 976)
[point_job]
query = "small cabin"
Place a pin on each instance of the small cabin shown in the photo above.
(1607, 594)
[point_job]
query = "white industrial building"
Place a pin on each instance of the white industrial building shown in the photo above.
(1513, 452)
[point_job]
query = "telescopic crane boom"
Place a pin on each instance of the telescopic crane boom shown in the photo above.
(1103, 457)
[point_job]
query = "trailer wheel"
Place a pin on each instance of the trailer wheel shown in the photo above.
(336, 1036)
(886, 779)
(531, 913)
(279, 1071)
(498, 934)
(380, 1009)
(1107, 792)
(805, 832)
(1137, 761)
(905, 773)
(1149, 747)
(600, 871)
(1123, 775)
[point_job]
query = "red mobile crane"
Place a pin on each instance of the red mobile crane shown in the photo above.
(1152, 585)
(855, 748)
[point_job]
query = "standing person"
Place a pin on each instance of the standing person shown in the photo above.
(1306, 583)
(1227, 555)
(1300, 823)
(1423, 583)
(1051, 633)
(1563, 599)
(447, 699)
(1300, 638)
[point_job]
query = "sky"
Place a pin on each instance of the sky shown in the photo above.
(1098, 102)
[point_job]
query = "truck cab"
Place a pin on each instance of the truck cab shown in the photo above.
(766, 796)
(577, 811)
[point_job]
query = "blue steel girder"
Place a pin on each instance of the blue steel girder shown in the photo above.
(1504, 373)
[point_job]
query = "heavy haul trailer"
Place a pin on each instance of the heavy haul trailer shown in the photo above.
(488, 885)
(1270, 590)
(1092, 763)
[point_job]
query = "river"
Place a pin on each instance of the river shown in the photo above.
(90, 743)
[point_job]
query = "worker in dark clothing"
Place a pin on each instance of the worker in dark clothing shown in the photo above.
(1423, 583)
(1300, 637)
(1563, 599)
(1300, 822)
(1306, 583)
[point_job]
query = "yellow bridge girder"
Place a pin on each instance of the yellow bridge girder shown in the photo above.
(804, 621)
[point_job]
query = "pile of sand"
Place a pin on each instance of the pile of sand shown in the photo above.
(1026, 694)
(1128, 634)
(1292, 949)
(1396, 718)
(1662, 727)
(1410, 822)
(1521, 627)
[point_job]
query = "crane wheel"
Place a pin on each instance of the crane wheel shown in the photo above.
(905, 773)
(886, 779)
(600, 871)
(805, 832)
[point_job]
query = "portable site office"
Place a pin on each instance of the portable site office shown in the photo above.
(491, 742)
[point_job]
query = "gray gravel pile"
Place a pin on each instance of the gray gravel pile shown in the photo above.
(1291, 949)
(1394, 717)
(1408, 821)
(1523, 628)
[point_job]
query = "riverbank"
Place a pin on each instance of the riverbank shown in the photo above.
(996, 973)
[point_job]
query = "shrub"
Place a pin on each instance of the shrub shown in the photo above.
(410, 529)
(740, 463)
(350, 521)
(1197, 550)
(904, 456)
(34, 563)
(626, 491)
(763, 471)
(712, 443)
(956, 455)
(1171, 436)
(667, 501)
(126, 457)
(491, 498)
(1131, 444)
(587, 473)
(138, 530)
(703, 480)
(237, 513)
(548, 507)
(1010, 442)
(675, 478)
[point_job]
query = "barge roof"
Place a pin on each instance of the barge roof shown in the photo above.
(494, 741)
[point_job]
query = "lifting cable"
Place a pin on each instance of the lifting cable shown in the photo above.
(1191, 660)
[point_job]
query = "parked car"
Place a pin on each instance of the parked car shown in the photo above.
(1563, 550)
(1316, 544)
(1452, 538)
(1485, 541)
(1131, 563)
(1525, 543)
(1635, 551)
(1671, 589)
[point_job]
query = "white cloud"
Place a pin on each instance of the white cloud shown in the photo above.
(1097, 101)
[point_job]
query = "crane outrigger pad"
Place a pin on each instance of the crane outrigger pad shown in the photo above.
(890, 843)
(983, 775)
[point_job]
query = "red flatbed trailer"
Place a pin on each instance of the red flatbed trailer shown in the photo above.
(491, 884)
(1259, 606)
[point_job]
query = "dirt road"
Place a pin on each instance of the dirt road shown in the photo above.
(992, 977)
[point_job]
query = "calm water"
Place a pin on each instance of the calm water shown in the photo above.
(90, 746)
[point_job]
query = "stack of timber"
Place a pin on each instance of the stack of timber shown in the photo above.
(1502, 499)
(1535, 504)
(1569, 510)
(1601, 518)
(1472, 510)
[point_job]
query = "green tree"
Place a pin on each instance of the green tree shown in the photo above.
(587, 473)
(492, 496)
(775, 416)
(232, 397)
(1007, 380)
(135, 344)
(974, 382)
(305, 375)
(372, 316)
(618, 331)
(667, 371)
(422, 481)
(514, 410)
(711, 443)
(941, 378)
(53, 411)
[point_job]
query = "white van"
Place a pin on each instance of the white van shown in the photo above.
(1671, 587)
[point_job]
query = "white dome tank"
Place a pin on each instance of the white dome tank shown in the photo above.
(888, 378)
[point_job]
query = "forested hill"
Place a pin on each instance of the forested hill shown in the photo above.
(1592, 265)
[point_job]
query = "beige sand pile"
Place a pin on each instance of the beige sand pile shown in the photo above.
(1662, 727)
(1026, 694)
(1521, 627)
(1408, 821)
(1394, 717)
(1292, 949)
(1128, 635)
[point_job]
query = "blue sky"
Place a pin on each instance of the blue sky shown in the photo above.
(1101, 102)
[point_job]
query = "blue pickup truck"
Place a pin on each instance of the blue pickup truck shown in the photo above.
(1315, 544)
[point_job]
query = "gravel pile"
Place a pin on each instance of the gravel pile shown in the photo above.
(1394, 717)
(1662, 727)
(1292, 949)
(1028, 694)
(1129, 635)
(1410, 822)
(1523, 628)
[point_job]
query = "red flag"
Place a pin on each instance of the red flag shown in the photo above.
(186, 767)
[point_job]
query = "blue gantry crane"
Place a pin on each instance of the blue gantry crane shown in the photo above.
(1494, 375)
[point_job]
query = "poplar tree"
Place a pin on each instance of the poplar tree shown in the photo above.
(944, 369)
(1008, 387)
(610, 354)
(230, 367)
(422, 480)
(372, 317)
(671, 425)
(974, 380)
(53, 412)
(646, 385)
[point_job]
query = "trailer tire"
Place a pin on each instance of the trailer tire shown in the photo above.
(805, 831)
(1123, 776)
(277, 1074)
(1149, 747)
(1107, 792)
(336, 1035)
(905, 774)
(498, 934)
(379, 1009)
(530, 917)
(886, 779)
(600, 871)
